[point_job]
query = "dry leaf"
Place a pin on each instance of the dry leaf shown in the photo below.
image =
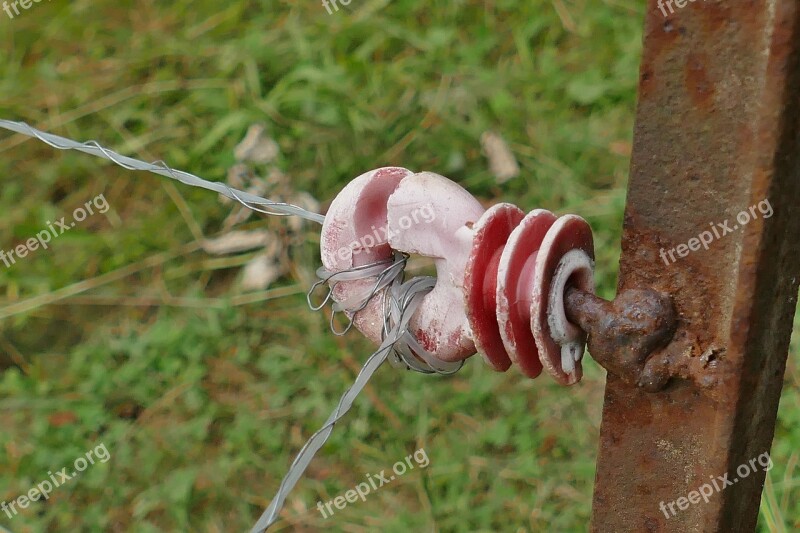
(237, 241)
(256, 147)
(260, 273)
(502, 162)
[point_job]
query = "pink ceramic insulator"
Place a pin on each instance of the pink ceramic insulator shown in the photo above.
(424, 214)
(501, 275)
(349, 239)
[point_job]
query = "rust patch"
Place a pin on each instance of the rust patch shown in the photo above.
(623, 333)
(662, 34)
(698, 83)
(715, 15)
(646, 80)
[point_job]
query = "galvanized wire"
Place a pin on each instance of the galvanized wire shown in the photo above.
(406, 298)
(387, 275)
(256, 203)
(401, 300)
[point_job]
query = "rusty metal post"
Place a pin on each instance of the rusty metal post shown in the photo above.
(717, 131)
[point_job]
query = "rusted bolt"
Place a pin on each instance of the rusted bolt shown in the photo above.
(625, 332)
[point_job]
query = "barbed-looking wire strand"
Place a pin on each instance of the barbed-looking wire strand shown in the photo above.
(251, 201)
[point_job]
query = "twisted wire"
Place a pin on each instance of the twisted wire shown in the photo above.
(388, 274)
(250, 201)
(398, 346)
(385, 272)
(401, 299)
(406, 298)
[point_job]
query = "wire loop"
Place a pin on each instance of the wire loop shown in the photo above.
(400, 302)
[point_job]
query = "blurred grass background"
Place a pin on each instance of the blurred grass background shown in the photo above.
(203, 394)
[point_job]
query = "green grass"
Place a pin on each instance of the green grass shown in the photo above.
(203, 403)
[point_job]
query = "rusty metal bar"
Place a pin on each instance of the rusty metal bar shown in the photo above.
(717, 131)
